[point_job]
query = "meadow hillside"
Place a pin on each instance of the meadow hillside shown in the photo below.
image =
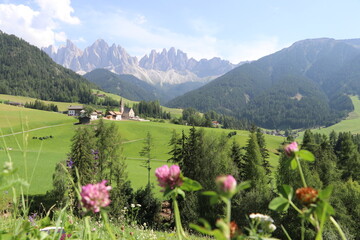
(350, 124)
(36, 159)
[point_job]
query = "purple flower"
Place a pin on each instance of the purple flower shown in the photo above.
(95, 196)
(168, 177)
(32, 218)
(95, 153)
(291, 148)
(226, 184)
(69, 163)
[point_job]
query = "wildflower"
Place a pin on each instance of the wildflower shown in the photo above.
(32, 218)
(132, 205)
(291, 148)
(234, 230)
(261, 217)
(271, 228)
(8, 167)
(138, 205)
(226, 184)
(265, 222)
(65, 236)
(94, 196)
(307, 195)
(69, 163)
(168, 177)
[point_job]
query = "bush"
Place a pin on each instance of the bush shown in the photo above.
(150, 206)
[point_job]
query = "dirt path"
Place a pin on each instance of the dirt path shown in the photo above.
(35, 129)
(136, 140)
(142, 159)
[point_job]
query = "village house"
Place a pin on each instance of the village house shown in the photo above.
(74, 110)
(95, 115)
(114, 115)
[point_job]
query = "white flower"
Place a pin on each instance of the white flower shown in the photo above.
(272, 227)
(261, 217)
(132, 205)
(138, 205)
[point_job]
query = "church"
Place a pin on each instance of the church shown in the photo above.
(124, 113)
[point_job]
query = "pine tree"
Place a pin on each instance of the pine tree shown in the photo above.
(177, 148)
(147, 152)
(325, 164)
(254, 170)
(264, 152)
(348, 157)
(238, 159)
(82, 148)
(103, 144)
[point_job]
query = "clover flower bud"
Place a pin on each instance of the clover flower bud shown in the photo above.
(168, 177)
(226, 184)
(95, 196)
(291, 148)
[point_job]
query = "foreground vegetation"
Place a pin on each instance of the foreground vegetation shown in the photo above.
(337, 164)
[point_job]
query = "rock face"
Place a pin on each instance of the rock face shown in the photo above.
(170, 67)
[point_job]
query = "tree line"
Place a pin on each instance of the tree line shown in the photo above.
(150, 109)
(40, 105)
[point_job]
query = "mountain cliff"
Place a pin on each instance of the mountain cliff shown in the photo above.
(167, 67)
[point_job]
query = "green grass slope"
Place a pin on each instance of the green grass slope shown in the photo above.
(62, 106)
(350, 124)
(36, 159)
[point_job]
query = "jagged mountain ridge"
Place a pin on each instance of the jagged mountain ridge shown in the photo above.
(167, 67)
(304, 85)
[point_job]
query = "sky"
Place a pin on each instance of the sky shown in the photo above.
(235, 30)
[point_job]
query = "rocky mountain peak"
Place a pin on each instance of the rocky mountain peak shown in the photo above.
(166, 66)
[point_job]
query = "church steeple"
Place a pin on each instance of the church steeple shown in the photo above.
(121, 106)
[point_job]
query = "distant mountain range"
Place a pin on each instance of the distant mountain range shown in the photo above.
(168, 67)
(132, 88)
(305, 85)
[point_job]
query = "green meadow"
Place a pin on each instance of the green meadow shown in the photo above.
(350, 124)
(175, 112)
(35, 159)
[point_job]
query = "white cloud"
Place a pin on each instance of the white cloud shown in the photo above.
(39, 27)
(142, 38)
(140, 19)
(58, 9)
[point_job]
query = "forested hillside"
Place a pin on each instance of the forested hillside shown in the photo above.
(304, 85)
(25, 70)
(124, 85)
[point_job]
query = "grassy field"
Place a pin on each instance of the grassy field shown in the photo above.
(175, 112)
(37, 158)
(350, 124)
(62, 106)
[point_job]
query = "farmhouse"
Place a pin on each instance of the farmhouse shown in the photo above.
(114, 115)
(74, 110)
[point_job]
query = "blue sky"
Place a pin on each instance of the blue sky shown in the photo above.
(236, 30)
